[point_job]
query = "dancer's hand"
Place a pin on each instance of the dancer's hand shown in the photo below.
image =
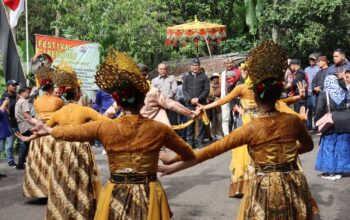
(166, 158)
(303, 112)
(176, 167)
(22, 137)
(39, 129)
(301, 87)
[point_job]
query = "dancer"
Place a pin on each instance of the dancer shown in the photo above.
(133, 191)
(278, 189)
(36, 175)
(241, 161)
(74, 182)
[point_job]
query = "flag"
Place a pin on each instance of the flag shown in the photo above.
(16, 9)
(10, 58)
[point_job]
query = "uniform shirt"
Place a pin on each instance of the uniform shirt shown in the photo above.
(166, 84)
(22, 106)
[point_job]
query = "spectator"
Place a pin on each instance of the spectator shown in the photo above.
(298, 76)
(318, 81)
(145, 70)
(334, 154)
(347, 81)
(227, 85)
(181, 99)
(311, 72)
(168, 86)
(56, 92)
(216, 117)
(341, 64)
(5, 130)
(196, 88)
(11, 94)
(103, 101)
(22, 113)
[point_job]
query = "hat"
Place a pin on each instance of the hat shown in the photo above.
(314, 56)
(65, 76)
(294, 61)
(267, 60)
(12, 82)
(120, 69)
(215, 75)
(195, 61)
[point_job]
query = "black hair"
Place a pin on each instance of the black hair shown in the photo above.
(138, 101)
(340, 50)
(47, 87)
(70, 94)
(272, 92)
(23, 88)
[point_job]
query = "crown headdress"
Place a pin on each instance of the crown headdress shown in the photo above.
(65, 76)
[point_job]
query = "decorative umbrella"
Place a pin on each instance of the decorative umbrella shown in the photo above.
(195, 31)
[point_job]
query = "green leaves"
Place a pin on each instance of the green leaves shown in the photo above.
(250, 18)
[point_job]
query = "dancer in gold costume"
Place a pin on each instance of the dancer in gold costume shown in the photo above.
(278, 189)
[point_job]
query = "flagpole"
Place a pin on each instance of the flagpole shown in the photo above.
(27, 39)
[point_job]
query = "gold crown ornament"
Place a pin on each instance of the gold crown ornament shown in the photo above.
(267, 60)
(44, 72)
(118, 71)
(65, 76)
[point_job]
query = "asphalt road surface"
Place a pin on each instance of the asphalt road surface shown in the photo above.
(197, 193)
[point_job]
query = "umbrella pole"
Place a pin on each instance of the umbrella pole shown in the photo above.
(211, 60)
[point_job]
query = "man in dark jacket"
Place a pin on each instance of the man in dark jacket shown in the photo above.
(196, 87)
(299, 76)
(11, 94)
(318, 81)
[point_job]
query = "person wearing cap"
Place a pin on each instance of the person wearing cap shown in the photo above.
(229, 78)
(168, 86)
(11, 94)
(299, 76)
(318, 81)
(311, 72)
(196, 87)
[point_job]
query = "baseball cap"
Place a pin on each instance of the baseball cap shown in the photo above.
(294, 61)
(12, 82)
(215, 75)
(196, 61)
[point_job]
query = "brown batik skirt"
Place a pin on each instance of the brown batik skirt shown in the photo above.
(74, 182)
(36, 175)
(279, 195)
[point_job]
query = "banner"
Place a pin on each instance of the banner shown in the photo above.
(82, 55)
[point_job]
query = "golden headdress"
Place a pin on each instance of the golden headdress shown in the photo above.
(44, 72)
(119, 69)
(267, 60)
(65, 76)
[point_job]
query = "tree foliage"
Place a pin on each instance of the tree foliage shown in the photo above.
(138, 26)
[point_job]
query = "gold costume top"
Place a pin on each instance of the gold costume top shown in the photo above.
(131, 141)
(74, 114)
(244, 92)
(46, 105)
(271, 140)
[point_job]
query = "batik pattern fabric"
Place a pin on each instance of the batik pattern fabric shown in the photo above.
(274, 194)
(36, 175)
(74, 182)
(133, 146)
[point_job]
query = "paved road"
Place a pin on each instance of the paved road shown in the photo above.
(196, 193)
